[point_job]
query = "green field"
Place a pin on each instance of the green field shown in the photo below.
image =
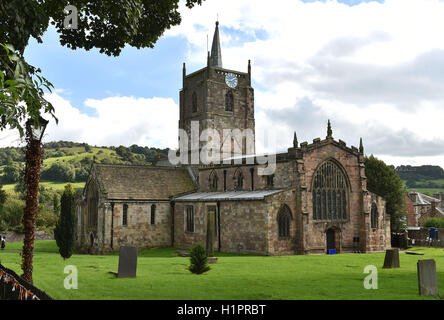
(163, 275)
(50, 184)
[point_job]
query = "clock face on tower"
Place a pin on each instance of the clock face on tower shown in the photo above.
(231, 80)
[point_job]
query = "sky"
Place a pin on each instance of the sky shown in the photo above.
(374, 68)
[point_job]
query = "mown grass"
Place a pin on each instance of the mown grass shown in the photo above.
(163, 275)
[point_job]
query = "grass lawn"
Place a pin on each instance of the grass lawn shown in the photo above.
(163, 275)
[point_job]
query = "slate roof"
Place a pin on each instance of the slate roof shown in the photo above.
(227, 195)
(423, 199)
(142, 182)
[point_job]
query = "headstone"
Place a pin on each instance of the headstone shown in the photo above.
(427, 280)
(391, 258)
(127, 262)
(414, 253)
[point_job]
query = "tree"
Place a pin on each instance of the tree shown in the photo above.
(64, 232)
(199, 260)
(3, 196)
(383, 180)
(11, 173)
(105, 24)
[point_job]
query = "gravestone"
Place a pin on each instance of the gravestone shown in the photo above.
(127, 262)
(391, 258)
(427, 280)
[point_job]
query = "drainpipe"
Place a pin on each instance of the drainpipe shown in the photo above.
(172, 223)
(218, 226)
(112, 224)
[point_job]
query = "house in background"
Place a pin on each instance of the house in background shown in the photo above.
(421, 207)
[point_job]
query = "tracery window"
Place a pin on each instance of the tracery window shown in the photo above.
(213, 181)
(284, 219)
(229, 101)
(374, 216)
(329, 193)
(238, 180)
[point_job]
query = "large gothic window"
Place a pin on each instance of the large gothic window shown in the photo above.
(238, 180)
(194, 102)
(284, 219)
(229, 101)
(374, 216)
(213, 181)
(329, 193)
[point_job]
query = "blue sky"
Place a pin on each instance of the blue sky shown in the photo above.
(367, 65)
(147, 72)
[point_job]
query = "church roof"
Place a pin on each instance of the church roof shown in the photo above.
(227, 195)
(216, 52)
(126, 182)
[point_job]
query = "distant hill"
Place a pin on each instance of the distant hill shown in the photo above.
(66, 161)
(425, 179)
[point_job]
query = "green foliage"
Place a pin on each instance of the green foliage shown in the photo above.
(46, 219)
(199, 260)
(59, 171)
(3, 196)
(434, 223)
(12, 213)
(384, 181)
(64, 232)
(11, 173)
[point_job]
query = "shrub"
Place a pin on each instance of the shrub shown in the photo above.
(64, 232)
(199, 260)
(434, 223)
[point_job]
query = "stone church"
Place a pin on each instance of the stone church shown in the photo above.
(315, 200)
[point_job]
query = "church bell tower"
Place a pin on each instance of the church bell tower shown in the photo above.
(219, 99)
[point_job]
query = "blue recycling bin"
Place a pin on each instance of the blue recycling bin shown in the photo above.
(331, 251)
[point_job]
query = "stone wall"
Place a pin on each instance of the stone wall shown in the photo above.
(12, 236)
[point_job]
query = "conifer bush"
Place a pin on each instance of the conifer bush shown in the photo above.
(199, 260)
(64, 232)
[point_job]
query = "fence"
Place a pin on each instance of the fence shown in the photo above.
(422, 237)
(12, 287)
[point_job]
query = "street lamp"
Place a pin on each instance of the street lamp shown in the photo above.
(37, 130)
(34, 135)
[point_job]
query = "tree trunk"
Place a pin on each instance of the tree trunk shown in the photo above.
(32, 178)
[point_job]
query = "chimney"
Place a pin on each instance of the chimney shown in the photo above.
(433, 209)
(438, 196)
(414, 197)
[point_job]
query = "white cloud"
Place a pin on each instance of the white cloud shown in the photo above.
(119, 121)
(366, 67)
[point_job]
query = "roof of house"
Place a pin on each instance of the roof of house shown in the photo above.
(142, 182)
(423, 199)
(227, 195)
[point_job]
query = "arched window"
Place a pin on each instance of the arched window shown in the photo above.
(153, 214)
(213, 181)
(194, 102)
(284, 219)
(374, 216)
(229, 101)
(329, 193)
(238, 180)
(92, 203)
(125, 215)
